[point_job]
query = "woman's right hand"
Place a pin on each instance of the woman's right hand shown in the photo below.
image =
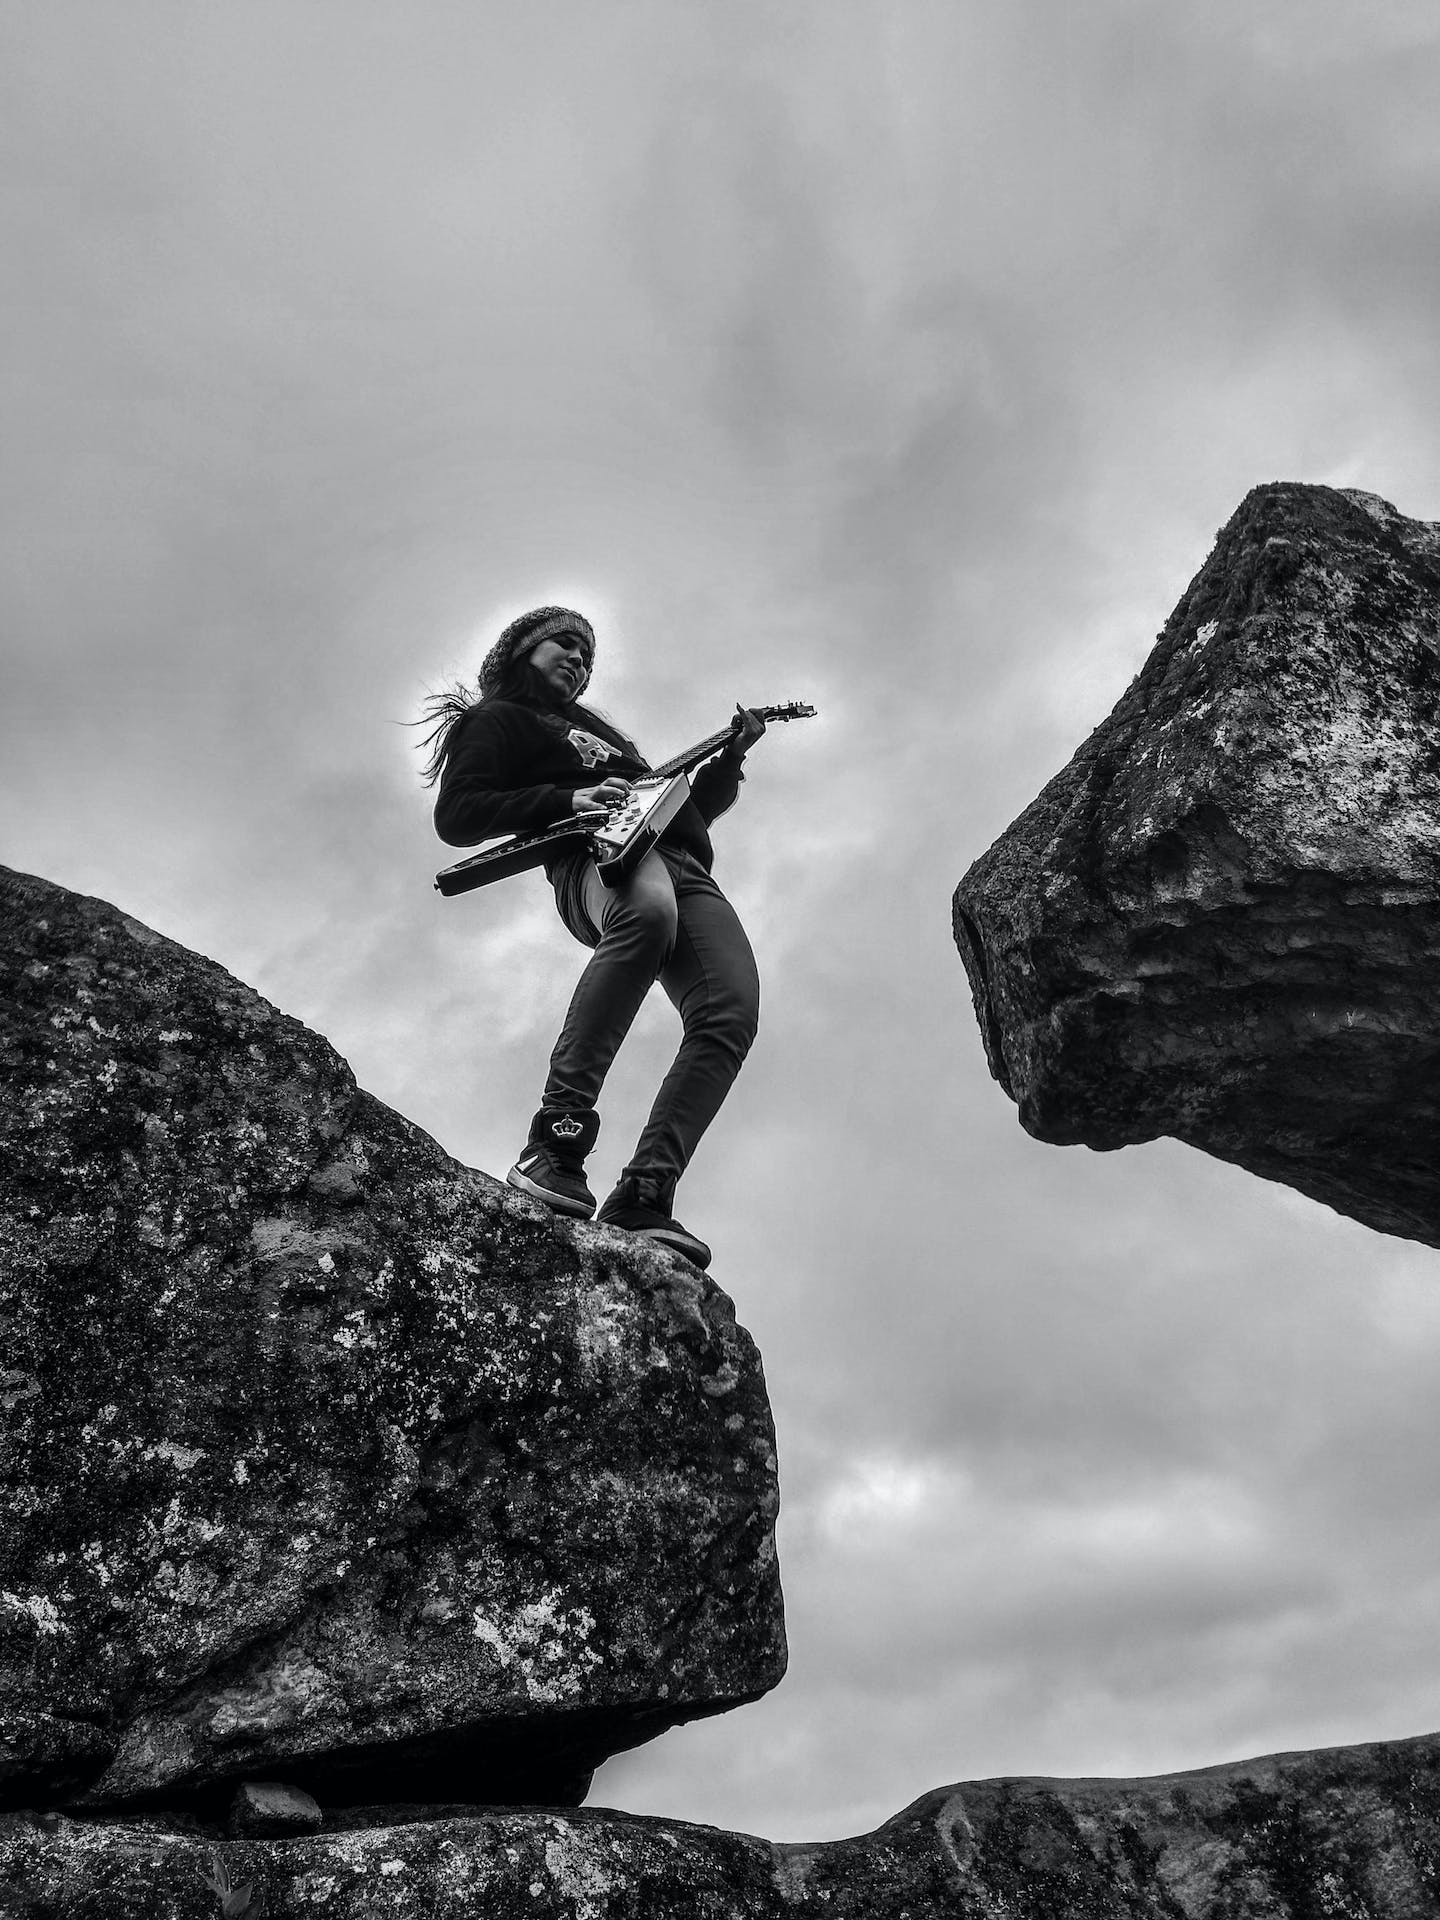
(601, 798)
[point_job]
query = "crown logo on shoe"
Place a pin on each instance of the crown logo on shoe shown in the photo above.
(566, 1129)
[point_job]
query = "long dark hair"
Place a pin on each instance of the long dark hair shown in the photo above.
(506, 673)
(442, 713)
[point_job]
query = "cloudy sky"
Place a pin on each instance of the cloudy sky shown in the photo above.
(902, 357)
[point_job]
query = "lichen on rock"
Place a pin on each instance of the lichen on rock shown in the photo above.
(324, 1457)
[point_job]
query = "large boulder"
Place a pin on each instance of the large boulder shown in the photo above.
(326, 1459)
(1351, 1832)
(1221, 921)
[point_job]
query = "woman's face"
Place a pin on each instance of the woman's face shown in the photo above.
(560, 662)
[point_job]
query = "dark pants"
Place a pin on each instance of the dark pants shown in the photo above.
(669, 921)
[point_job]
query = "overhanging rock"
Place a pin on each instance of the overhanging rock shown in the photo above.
(326, 1459)
(1222, 920)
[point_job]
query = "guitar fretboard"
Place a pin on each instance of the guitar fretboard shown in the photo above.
(793, 710)
(702, 751)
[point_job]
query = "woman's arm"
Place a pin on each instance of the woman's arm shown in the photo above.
(716, 786)
(483, 790)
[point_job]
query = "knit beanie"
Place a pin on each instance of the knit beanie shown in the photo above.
(522, 636)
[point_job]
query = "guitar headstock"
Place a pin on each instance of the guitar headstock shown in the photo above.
(792, 710)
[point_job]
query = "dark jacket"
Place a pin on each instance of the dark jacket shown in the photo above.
(511, 768)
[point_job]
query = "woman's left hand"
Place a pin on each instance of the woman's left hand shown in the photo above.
(747, 728)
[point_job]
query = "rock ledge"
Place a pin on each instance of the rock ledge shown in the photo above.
(1350, 1832)
(327, 1460)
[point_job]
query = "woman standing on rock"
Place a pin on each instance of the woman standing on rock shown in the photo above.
(526, 756)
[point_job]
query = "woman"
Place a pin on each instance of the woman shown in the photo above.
(527, 755)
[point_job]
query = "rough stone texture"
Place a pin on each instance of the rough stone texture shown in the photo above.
(1222, 920)
(1353, 1834)
(324, 1457)
(270, 1810)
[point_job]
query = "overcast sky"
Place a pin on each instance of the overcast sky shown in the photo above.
(900, 357)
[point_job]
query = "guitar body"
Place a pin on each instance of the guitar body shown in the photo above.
(629, 834)
(510, 856)
(621, 842)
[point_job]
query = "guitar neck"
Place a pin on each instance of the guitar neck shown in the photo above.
(701, 751)
(682, 763)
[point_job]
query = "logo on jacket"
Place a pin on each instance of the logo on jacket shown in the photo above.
(590, 750)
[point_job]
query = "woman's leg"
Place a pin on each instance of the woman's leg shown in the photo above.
(632, 928)
(711, 977)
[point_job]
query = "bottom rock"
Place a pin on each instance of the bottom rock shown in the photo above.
(1352, 1831)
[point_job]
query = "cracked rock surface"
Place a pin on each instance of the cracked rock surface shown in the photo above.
(1221, 921)
(1349, 1832)
(324, 1458)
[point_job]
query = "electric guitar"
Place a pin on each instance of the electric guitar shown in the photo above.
(618, 840)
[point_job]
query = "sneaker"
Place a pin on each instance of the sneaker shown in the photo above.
(634, 1211)
(552, 1167)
